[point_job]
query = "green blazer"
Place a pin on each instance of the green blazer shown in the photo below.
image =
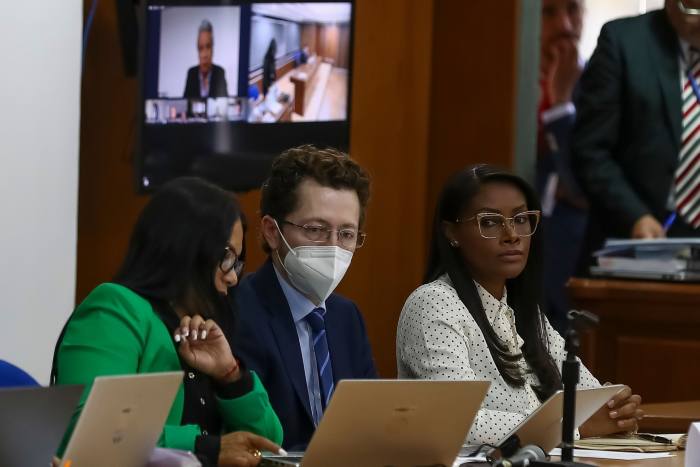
(627, 135)
(115, 331)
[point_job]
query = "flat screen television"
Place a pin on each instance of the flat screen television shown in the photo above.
(225, 86)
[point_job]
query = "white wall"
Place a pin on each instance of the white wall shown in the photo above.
(599, 12)
(40, 42)
(178, 45)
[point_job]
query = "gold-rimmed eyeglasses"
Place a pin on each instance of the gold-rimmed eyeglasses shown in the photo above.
(347, 238)
(492, 224)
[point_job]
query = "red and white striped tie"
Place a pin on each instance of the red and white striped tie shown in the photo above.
(687, 181)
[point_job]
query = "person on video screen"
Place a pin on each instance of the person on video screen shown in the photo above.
(205, 79)
(269, 68)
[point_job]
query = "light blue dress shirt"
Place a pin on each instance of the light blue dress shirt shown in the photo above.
(300, 307)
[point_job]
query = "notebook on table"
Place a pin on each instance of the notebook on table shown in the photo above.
(634, 442)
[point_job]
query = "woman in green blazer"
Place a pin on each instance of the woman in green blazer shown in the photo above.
(166, 310)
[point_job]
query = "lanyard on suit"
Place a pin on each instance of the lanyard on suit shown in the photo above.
(693, 83)
(689, 74)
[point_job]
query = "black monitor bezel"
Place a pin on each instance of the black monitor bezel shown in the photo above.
(261, 158)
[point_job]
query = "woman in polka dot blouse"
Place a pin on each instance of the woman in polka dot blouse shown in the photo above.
(477, 317)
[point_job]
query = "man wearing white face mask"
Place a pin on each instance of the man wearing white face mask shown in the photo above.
(294, 332)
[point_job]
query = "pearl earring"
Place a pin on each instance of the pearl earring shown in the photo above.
(454, 243)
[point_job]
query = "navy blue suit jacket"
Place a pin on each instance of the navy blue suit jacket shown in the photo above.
(267, 341)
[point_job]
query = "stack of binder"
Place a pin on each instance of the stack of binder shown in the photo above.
(672, 259)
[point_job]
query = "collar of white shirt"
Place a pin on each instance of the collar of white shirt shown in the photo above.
(685, 48)
(490, 303)
(492, 306)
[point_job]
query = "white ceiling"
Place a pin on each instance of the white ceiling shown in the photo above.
(306, 12)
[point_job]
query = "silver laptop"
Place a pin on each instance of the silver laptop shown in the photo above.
(122, 420)
(378, 423)
(543, 426)
(34, 421)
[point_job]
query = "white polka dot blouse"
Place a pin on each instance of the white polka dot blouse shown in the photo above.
(437, 338)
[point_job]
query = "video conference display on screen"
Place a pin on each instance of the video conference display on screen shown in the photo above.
(253, 63)
(226, 85)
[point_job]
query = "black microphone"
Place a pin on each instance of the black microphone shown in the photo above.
(586, 318)
(522, 457)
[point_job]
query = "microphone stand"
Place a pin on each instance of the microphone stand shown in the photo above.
(570, 377)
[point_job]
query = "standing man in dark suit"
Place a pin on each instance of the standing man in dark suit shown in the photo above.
(205, 79)
(297, 335)
(564, 208)
(635, 143)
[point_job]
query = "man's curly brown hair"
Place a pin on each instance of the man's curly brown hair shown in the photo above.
(328, 167)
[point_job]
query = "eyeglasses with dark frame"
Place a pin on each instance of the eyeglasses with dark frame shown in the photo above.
(347, 238)
(231, 262)
(686, 10)
(492, 224)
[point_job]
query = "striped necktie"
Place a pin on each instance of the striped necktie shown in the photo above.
(687, 177)
(317, 322)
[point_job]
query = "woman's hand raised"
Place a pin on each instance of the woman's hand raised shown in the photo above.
(204, 347)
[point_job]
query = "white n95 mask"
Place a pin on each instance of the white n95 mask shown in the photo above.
(315, 270)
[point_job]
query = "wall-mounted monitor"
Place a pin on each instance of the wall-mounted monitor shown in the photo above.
(226, 85)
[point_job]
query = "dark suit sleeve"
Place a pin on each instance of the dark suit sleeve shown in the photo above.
(247, 342)
(597, 134)
(191, 85)
(366, 368)
(224, 83)
(245, 350)
(219, 87)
